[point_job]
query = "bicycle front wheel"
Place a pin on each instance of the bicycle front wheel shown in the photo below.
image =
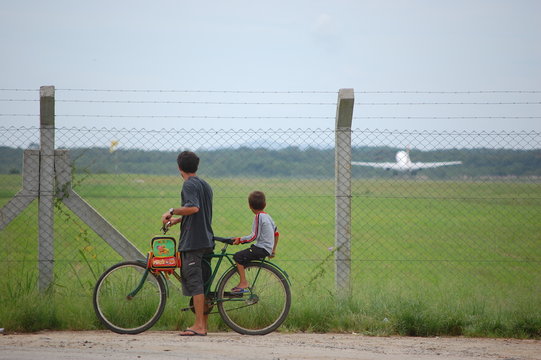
(128, 299)
(263, 308)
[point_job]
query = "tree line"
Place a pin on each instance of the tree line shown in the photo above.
(292, 162)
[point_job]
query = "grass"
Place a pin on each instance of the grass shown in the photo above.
(428, 257)
(381, 313)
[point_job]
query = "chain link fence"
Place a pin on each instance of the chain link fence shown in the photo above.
(471, 227)
(433, 217)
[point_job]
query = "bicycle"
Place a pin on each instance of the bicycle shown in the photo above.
(129, 298)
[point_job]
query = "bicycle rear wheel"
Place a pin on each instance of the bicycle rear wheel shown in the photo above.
(261, 310)
(128, 299)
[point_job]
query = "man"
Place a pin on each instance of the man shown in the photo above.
(196, 236)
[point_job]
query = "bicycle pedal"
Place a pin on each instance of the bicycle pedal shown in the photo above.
(233, 295)
(254, 299)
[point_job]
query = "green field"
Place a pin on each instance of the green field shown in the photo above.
(427, 257)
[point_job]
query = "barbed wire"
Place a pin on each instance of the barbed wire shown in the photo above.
(451, 92)
(273, 103)
(453, 103)
(84, 113)
(287, 92)
(173, 102)
(173, 116)
(444, 117)
(197, 131)
(187, 91)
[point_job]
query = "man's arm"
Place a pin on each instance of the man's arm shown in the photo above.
(182, 211)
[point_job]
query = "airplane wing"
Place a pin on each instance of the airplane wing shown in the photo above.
(383, 165)
(405, 167)
(420, 165)
(403, 163)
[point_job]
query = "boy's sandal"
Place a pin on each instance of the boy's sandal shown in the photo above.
(238, 290)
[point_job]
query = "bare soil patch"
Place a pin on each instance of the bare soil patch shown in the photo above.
(157, 345)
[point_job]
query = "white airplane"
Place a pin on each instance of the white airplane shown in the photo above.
(403, 163)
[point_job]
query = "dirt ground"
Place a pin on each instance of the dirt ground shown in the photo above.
(157, 345)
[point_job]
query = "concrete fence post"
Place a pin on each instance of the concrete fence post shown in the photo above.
(27, 194)
(46, 189)
(344, 117)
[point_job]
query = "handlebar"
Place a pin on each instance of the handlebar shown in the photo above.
(223, 240)
(165, 227)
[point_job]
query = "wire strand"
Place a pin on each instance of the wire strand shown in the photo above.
(284, 117)
(204, 91)
(285, 91)
(171, 102)
(452, 103)
(272, 103)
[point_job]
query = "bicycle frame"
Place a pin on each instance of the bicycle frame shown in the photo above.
(208, 285)
(220, 257)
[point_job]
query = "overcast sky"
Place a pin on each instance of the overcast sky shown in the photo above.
(273, 46)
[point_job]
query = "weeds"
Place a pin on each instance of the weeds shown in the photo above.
(370, 313)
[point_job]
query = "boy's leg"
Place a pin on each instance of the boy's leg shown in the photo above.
(243, 257)
(243, 283)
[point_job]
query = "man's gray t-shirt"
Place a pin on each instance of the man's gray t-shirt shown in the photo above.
(196, 230)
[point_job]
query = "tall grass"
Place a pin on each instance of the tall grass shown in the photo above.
(377, 313)
(389, 313)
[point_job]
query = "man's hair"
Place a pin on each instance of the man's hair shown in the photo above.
(188, 162)
(257, 201)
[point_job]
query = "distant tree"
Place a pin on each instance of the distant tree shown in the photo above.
(291, 161)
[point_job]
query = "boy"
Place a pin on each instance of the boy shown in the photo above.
(265, 235)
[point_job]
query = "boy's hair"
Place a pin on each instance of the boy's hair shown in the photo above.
(188, 162)
(257, 201)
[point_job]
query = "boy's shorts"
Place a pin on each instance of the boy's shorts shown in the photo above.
(195, 271)
(243, 257)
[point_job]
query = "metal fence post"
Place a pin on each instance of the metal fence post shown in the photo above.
(342, 163)
(46, 189)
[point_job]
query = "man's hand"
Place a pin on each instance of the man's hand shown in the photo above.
(166, 218)
(236, 241)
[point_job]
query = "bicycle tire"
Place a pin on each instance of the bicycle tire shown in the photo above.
(126, 314)
(261, 310)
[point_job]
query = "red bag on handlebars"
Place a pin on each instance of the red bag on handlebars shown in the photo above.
(164, 255)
